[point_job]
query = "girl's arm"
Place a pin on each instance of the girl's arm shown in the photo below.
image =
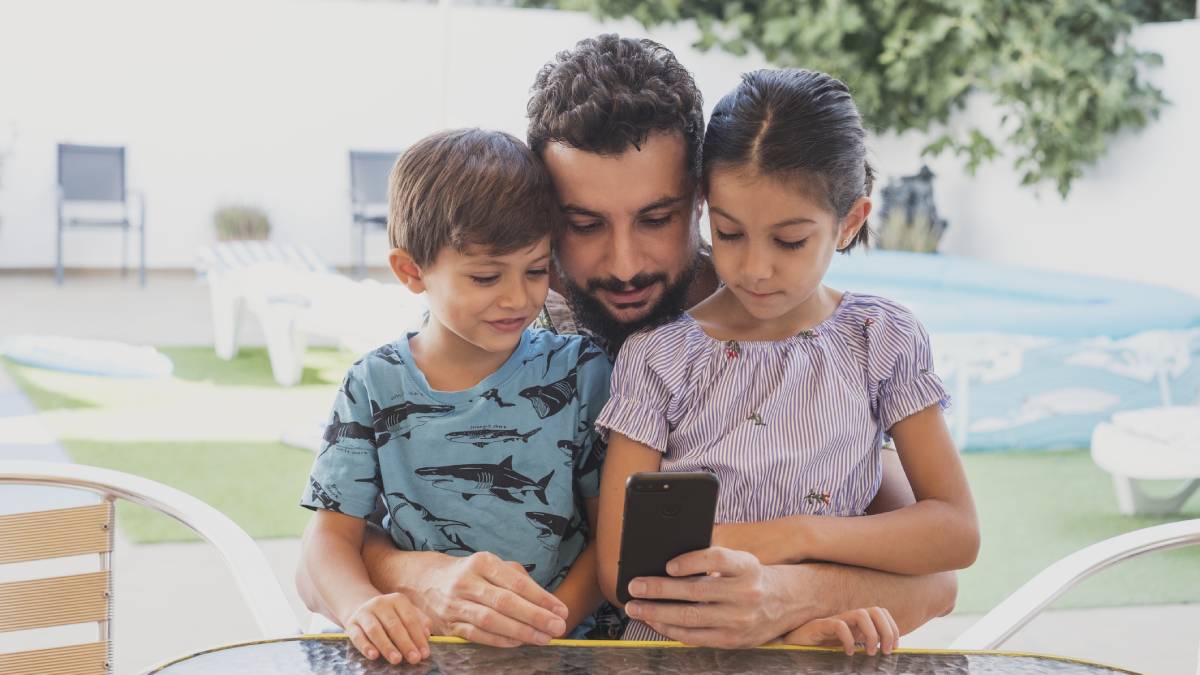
(579, 590)
(939, 532)
(625, 458)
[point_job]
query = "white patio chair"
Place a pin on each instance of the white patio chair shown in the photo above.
(85, 598)
(295, 295)
(1018, 609)
(1154, 444)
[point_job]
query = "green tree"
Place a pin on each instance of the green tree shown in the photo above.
(1062, 72)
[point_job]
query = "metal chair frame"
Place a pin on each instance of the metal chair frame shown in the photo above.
(68, 191)
(366, 191)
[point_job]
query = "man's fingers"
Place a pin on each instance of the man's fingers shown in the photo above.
(700, 637)
(496, 623)
(514, 578)
(723, 561)
(687, 615)
(474, 633)
(514, 606)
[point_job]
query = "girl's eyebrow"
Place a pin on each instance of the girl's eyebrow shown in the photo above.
(782, 223)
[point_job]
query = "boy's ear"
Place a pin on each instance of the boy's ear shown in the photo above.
(854, 221)
(407, 271)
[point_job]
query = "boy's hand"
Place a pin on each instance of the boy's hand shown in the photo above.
(392, 626)
(485, 599)
(872, 628)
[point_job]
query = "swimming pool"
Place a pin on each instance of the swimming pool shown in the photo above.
(1034, 359)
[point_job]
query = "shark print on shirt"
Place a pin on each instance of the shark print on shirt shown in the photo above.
(483, 436)
(402, 418)
(497, 480)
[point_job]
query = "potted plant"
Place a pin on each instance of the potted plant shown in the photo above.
(238, 222)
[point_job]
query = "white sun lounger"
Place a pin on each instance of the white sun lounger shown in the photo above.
(1148, 445)
(295, 296)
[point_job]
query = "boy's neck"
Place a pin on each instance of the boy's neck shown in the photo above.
(449, 362)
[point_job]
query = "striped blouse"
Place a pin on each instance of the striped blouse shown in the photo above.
(789, 427)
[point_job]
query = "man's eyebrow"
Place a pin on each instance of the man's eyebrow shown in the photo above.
(661, 203)
(782, 223)
(580, 211)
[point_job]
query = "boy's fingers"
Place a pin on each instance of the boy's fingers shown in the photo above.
(360, 642)
(415, 623)
(397, 632)
(379, 638)
(523, 585)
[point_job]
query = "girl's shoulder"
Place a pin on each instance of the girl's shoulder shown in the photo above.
(674, 339)
(875, 315)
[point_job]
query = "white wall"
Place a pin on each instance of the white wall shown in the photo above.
(260, 100)
(255, 101)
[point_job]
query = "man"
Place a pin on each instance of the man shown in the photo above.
(619, 124)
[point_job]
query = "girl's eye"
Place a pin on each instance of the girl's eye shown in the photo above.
(539, 272)
(792, 244)
(728, 236)
(485, 281)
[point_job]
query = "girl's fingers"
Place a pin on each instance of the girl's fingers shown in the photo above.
(865, 626)
(887, 631)
(895, 627)
(842, 631)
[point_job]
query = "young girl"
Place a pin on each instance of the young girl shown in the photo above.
(784, 388)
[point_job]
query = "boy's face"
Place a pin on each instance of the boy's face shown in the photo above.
(488, 300)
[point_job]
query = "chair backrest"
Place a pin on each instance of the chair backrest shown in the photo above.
(61, 600)
(369, 173)
(91, 173)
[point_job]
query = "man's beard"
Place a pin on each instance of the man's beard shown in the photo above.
(593, 316)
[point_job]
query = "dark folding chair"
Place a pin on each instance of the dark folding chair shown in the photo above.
(369, 173)
(93, 178)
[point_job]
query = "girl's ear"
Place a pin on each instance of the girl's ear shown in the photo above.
(854, 221)
(407, 271)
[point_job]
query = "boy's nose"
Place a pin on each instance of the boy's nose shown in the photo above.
(514, 296)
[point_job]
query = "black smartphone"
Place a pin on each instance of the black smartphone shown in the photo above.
(666, 515)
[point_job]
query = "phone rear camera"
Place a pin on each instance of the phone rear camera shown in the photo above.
(666, 486)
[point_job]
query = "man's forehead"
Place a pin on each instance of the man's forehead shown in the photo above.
(625, 183)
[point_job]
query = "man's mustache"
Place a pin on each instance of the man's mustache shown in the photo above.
(615, 285)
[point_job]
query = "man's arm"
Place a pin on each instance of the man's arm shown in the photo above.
(749, 604)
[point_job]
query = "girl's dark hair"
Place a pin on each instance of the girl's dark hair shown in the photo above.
(794, 124)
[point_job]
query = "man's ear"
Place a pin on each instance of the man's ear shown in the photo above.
(407, 271)
(855, 218)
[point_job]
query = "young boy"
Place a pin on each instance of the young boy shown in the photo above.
(476, 432)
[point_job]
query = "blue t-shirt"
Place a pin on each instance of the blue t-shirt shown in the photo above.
(501, 467)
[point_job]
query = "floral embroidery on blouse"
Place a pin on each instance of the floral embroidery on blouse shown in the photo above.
(819, 498)
(733, 349)
(757, 419)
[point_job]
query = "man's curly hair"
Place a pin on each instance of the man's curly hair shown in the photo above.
(610, 93)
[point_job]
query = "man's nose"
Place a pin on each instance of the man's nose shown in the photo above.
(624, 256)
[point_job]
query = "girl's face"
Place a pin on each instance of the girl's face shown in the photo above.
(772, 240)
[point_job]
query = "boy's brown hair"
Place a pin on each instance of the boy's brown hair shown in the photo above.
(469, 187)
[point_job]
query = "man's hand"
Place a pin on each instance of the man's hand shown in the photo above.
(738, 603)
(487, 600)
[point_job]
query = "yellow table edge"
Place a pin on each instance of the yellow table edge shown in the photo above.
(446, 640)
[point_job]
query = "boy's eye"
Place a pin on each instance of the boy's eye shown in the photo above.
(792, 244)
(485, 281)
(728, 236)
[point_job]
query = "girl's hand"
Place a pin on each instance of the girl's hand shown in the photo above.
(392, 626)
(753, 538)
(873, 628)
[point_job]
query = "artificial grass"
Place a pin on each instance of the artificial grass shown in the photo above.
(1034, 507)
